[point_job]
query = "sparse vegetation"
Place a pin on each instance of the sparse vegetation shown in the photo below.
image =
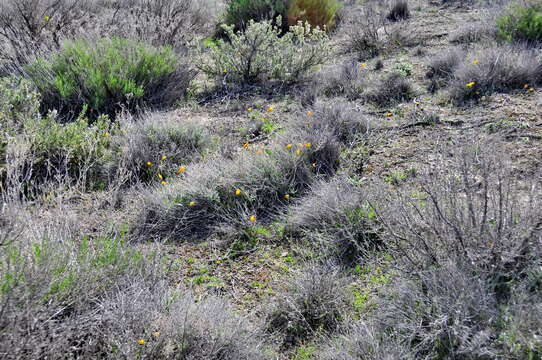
(365, 184)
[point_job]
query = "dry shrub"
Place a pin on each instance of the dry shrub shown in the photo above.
(464, 243)
(337, 215)
(364, 33)
(494, 70)
(313, 302)
(142, 143)
(174, 324)
(361, 340)
(392, 88)
(348, 80)
(399, 11)
(336, 119)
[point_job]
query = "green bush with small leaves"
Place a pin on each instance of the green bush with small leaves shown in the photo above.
(522, 22)
(109, 75)
(260, 55)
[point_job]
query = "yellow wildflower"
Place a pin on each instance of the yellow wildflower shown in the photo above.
(389, 114)
(106, 134)
(249, 109)
(308, 145)
(149, 163)
(164, 157)
(225, 71)
(238, 192)
(141, 341)
(192, 203)
(252, 218)
(289, 146)
(287, 197)
(164, 183)
(309, 113)
(270, 108)
(160, 177)
(471, 84)
(363, 65)
(475, 62)
(297, 152)
(46, 18)
(181, 170)
(246, 145)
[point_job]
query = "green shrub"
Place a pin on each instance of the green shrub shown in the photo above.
(48, 150)
(240, 12)
(109, 75)
(259, 55)
(322, 13)
(522, 22)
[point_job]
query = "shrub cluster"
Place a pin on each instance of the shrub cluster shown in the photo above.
(207, 196)
(67, 296)
(50, 151)
(466, 247)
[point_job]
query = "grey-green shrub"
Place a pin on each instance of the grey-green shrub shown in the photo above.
(313, 303)
(338, 216)
(64, 295)
(260, 55)
(19, 102)
(109, 75)
(50, 151)
(51, 280)
(156, 144)
(494, 70)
